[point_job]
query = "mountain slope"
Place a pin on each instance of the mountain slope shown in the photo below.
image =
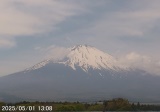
(85, 57)
(83, 74)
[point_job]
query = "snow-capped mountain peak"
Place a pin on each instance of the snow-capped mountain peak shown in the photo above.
(85, 57)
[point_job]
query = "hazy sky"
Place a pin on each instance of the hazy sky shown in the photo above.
(127, 29)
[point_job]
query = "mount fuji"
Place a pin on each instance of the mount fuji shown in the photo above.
(85, 57)
(84, 73)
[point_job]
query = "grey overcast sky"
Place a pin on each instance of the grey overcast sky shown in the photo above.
(127, 29)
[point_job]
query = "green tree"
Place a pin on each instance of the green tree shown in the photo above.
(96, 107)
(118, 104)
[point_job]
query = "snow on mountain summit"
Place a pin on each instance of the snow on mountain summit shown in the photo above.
(85, 57)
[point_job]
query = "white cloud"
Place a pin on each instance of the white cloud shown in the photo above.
(134, 20)
(130, 23)
(134, 57)
(6, 43)
(53, 52)
(143, 62)
(30, 17)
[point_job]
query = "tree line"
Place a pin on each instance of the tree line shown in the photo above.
(118, 104)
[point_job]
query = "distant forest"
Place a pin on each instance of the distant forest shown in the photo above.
(118, 104)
